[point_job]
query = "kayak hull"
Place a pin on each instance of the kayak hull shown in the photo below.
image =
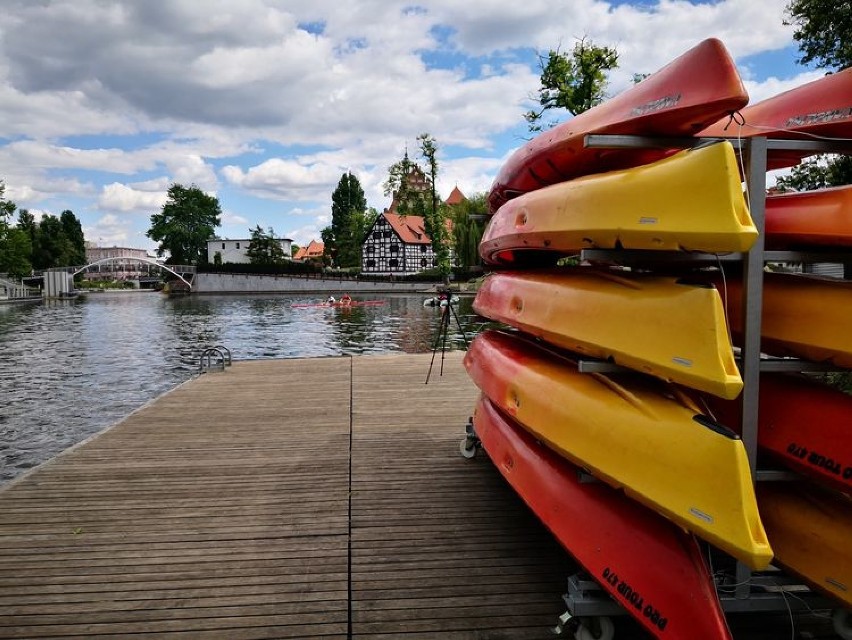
(819, 218)
(803, 424)
(685, 96)
(819, 108)
(810, 529)
(691, 201)
(627, 432)
(677, 330)
(803, 316)
(610, 535)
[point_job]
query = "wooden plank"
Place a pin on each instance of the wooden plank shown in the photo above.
(205, 512)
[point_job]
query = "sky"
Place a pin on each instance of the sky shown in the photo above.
(266, 103)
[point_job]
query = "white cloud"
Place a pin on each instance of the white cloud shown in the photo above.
(267, 100)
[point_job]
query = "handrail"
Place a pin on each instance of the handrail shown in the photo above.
(207, 363)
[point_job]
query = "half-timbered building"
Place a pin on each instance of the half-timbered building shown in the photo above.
(398, 244)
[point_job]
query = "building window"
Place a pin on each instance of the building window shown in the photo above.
(371, 264)
(422, 248)
(386, 234)
(422, 262)
(377, 235)
(393, 263)
(370, 249)
(223, 245)
(238, 245)
(394, 248)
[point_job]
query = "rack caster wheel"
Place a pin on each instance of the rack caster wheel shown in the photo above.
(467, 447)
(841, 619)
(598, 628)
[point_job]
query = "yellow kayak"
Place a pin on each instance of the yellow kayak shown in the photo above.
(634, 433)
(807, 317)
(658, 325)
(690, 201)
(810, 529)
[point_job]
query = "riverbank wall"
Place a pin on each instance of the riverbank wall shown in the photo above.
(223, 283)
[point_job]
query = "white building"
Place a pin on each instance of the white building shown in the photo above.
(235, 250)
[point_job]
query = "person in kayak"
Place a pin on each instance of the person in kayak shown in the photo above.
(330, 300)
(345, 299)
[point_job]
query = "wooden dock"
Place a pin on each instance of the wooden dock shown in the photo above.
(310, 498)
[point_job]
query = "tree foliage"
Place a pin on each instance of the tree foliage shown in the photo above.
(468, 225)
(575, 82)
(15, 246)
(343, 238)
(823, 30)
(184, 224)
(265, 248)
(824, 33)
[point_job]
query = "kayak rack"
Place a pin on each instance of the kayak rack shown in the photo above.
(214, 359)
(740, 590)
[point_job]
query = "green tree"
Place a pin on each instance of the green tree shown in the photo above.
(824, 33)
(468, 225)
(823, 30)
(435, 218)
(52, 248)
(15, 247)
(264, 248)
(575, 82)
(343, 238)
(73, 232)
(184, 224)
(408, 184)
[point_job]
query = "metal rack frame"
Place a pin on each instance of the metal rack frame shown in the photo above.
(751, 591)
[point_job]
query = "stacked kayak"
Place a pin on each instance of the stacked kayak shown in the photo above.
(671, 595)
(660, 433)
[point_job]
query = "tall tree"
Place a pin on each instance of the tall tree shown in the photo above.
(408, 184)
(15, 247)
(468, 227)
(575, 82)
(184, 224)
(73, 231)
(435, 218)
(823, 30)
(264, 248)
(343, 238)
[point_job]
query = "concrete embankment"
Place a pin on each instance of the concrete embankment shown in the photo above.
(216, 283)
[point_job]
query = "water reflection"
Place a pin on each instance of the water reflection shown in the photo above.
(71, 368)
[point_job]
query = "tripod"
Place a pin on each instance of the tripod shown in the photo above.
(446, 313)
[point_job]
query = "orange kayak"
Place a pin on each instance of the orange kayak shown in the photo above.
(810, 529)
(658, 325)
(819, 108)
(685, 96)
(634, 433)
(819, 218)
(609, 534)
(803, 316)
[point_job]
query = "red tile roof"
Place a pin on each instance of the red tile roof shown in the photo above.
(313, 250)
(455, 196)
(409, 228)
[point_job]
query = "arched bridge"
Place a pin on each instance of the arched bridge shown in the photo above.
(175, 269)
(59, 282)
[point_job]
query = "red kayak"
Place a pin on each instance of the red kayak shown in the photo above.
(685, 96)
(802, 423)
(338, 303)
(819, 108)
(648, 565)
(819, 218)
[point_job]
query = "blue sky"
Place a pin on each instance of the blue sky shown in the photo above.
(266, 103)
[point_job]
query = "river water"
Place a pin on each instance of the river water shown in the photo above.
(68, 369)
